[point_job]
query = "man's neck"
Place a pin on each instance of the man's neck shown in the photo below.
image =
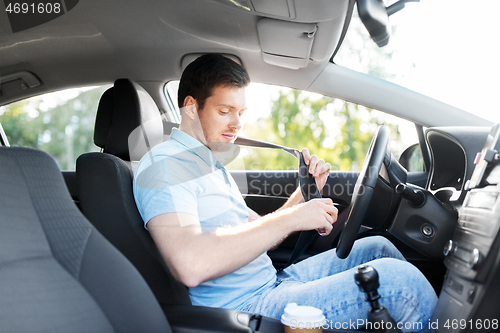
(195, 131)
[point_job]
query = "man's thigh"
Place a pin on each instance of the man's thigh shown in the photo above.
(327, 263)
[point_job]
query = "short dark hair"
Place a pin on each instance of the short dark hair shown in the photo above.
(207, 72)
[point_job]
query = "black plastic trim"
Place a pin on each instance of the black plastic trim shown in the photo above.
(423, 147)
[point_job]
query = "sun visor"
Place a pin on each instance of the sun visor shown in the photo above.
(286, 44)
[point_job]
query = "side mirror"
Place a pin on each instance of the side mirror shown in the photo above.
(412, 160)
(375, 17)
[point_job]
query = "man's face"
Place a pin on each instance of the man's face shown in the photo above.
(220, 119)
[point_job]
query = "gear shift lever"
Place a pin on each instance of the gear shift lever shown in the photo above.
(379, 319)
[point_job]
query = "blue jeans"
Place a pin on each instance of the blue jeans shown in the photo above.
(327, 282)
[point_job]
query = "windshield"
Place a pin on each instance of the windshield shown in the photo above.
(445, 49)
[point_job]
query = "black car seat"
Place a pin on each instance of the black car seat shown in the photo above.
(57, 272)
(128, 123)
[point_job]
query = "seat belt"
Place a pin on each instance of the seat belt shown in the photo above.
(307, 188)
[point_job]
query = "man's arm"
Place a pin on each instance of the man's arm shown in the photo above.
(252, 215)
(195, 256)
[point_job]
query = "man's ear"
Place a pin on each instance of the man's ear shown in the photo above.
(190, 107)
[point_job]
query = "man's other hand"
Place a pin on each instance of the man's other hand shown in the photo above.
(317, 167)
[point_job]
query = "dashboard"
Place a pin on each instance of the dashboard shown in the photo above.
(468, 301)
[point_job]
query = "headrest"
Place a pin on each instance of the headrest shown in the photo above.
(128, 122)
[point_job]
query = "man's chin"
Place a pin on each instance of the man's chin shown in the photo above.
(221, 146)
(225, 152)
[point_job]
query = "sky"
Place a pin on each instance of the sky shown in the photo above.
(454, 49)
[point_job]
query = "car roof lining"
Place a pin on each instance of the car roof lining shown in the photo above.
(86, 47)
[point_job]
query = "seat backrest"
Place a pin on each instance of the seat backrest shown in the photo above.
(57, 272)
(127, 117)
(128, 122)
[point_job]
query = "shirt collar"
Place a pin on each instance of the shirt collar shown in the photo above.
(193, 145)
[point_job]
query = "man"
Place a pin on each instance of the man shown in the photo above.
(215, 245)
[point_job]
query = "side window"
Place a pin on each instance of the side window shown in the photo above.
(59, 123)
(336, 130)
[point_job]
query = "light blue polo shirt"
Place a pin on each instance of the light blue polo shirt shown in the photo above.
(181, 175)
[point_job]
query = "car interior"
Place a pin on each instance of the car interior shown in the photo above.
(75, 255)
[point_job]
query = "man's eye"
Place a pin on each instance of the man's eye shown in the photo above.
(224, 112)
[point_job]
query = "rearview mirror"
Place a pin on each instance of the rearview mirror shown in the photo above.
(375, 17)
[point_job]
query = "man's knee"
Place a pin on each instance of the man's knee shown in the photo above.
(382, 247)
(406, 290)
(405, 276)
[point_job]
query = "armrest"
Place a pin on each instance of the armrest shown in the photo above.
(188, 319)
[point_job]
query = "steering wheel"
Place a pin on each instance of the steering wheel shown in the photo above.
(361, 197)
(363, 190)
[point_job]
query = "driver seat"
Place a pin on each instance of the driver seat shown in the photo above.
(128, 124)
(57, 272)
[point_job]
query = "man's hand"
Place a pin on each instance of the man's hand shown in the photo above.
(319, 214)
(317, 167)
(320, 171)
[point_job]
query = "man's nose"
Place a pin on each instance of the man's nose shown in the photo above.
(235, 122)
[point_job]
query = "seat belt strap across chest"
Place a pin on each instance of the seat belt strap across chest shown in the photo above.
(307, 187)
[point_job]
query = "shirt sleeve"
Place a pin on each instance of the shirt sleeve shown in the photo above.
(166, 186)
